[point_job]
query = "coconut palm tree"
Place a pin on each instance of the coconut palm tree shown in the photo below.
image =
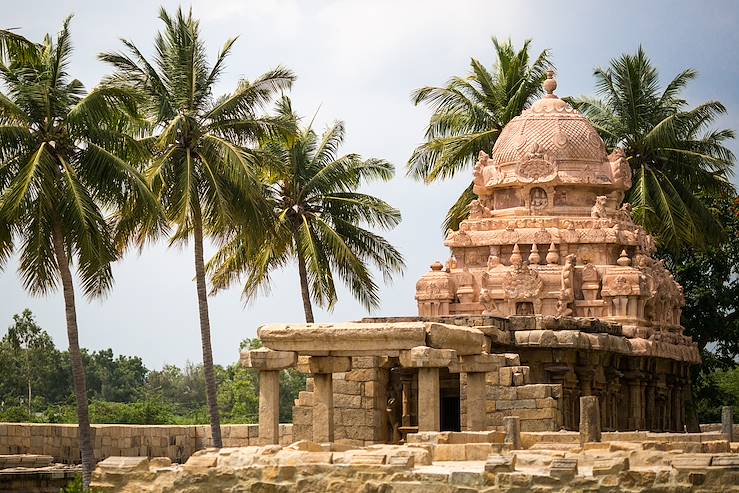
(318, 219)
(64, 163)
(469, 113)
(201, 170)
(675, 153)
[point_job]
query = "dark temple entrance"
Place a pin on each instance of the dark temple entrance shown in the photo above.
(449, 401)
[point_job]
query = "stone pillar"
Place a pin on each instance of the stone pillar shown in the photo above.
(476, 367)
(269, 407)
(727, 423)
(512, 428)
(429, 406)
(322, 368)
(428, 361)
(589, 419)
(406, 382)
(476, 405)
(323, 407)
(268, 363)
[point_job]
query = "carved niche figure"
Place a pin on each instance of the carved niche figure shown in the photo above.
(490, 305)
(624, 213)
(538, 199)
(487, 173)
(620, 168)
(599, 209)
(536, 165)
(590, 282)
(478, 210)
(523, 283)
(566, 292)
(466, 283)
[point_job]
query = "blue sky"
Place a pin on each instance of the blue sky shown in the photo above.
(357, 61)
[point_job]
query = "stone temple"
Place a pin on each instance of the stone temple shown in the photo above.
(550, 294)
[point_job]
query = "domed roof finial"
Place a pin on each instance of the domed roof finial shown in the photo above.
(550, 84)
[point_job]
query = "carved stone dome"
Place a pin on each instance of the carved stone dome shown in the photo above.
(551, 142)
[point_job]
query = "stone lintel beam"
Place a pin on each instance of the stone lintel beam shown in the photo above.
(324, 364)
(264, 359)
(427, 357)
(478, 363)
(463, 340)
(363, 337)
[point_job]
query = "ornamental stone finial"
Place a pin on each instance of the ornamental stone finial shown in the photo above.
(550, 84)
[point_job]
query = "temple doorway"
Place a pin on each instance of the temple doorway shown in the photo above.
(449, 400)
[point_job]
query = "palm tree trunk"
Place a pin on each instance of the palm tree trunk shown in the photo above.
(303, 273)
(211, 389)
(75, 357)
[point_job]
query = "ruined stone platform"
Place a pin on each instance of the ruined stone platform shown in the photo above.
(444, 462)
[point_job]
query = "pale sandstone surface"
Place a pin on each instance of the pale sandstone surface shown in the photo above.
(429, 466)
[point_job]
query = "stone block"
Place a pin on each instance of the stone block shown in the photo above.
(463, 340)
(546, 403)
(267, 359)
(477, 363)
(604, 467)
(500, 463)
(691, 461)
(121, 465)
(427, 357)
(730, 461)
(365, 362)
(565, 469)
(325, 364)
(449, 452)
(361, 375)
(515, 404)
(512, 359)
(347, 401)
(347, 387)
(514, 375)
(533, 391)
(477, 451)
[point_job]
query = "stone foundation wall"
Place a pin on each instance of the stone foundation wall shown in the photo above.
(510, 393)
(359, 404)
(176, 442)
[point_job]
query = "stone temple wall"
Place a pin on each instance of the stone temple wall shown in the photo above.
(176, 442)
(359, 404)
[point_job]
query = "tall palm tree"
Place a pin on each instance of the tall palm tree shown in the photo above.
(469, 113)
(64, 163)
(201, 170)
(674, 152)
(318, 219)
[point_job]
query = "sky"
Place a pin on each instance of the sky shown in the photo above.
(356, 61)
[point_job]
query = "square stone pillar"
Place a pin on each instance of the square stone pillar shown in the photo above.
(268, 363)
(428, 361)
(476, 366)
(323, 407)
(476, 402)
(322, 368)
(269, 407)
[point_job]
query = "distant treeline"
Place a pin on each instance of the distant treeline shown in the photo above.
(120, 388)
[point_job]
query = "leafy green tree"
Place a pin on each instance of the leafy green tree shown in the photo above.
(64, 162)
(318, 218)
(469, 114)
(114, 379)
(201, 170)
(674, 151)
(30, 343)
